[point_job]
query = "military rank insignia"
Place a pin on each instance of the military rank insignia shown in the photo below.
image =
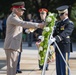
(62, 28)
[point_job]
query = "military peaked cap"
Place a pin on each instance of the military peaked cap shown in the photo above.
(43, 9)
(19, 5)
(62, 9)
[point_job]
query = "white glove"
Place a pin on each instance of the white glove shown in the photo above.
(51, 40)
(40, 37)
(27, 31)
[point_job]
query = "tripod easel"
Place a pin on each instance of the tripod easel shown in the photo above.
(46, 57)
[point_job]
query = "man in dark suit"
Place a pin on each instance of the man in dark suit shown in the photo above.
(62, 33)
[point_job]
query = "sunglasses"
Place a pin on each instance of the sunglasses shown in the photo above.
(21, 9)
(42, 13)
(61, 14)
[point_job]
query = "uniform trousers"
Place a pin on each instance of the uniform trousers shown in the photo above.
(12, 59)
(30, 39)
(18, 64)
(60, 64)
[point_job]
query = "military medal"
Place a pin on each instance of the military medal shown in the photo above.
(62, 28)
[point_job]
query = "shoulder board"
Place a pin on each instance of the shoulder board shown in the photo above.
(70, 22)
(14, 15)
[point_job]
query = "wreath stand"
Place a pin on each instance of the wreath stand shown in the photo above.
(46, 57)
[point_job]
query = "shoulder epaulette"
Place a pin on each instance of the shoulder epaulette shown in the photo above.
(70, 22)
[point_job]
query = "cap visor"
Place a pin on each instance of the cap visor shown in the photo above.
(23, 8)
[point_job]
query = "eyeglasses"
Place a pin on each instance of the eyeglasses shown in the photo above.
(61, 14)
(22, 10)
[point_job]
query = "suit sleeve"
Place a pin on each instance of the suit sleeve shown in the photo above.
(67, 32)
(22, 23)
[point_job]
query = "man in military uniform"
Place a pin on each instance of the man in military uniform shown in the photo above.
(29, 34)
(62, 33)
(14, 35)
(38, 32)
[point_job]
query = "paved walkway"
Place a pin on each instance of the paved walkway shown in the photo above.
(29, 62)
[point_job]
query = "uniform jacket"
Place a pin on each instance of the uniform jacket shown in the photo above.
(14, 31)
(62, 34)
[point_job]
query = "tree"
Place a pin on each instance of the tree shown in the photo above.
(32, 6)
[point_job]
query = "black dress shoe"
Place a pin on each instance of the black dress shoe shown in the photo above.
(18, 71)
(41, 67)
(46, 69)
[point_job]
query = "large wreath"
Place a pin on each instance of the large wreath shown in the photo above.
(50, 20)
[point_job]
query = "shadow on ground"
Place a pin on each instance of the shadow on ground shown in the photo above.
(2, 63)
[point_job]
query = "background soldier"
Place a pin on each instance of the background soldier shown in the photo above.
(43, 14)
(14, 35)
(62, 34)
(29, 34)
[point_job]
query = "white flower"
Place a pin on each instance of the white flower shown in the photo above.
(40, 48)
(46, 29)
(51, 14)
(48, 19)
(41, 38)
